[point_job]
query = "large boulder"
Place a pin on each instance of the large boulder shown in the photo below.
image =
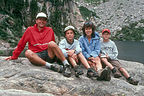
(21, 78)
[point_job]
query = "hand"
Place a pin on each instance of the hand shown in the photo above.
(107, 56)
(70, 52)
(8, 58)
(92, 59)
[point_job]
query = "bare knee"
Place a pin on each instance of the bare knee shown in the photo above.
(97, 60)
(121, 69)
(52, 44)
(28, 53)
(103, 59)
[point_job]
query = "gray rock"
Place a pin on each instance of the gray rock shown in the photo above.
(21, 77)
(114, 14)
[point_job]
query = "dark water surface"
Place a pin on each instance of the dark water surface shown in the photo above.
(131, 51)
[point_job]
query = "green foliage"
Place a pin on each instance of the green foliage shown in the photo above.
(87, 14)
(1, 52)
(33, 11)
(11, 21)
(44, 8)
(131, 32)
(55, 19)
(91, 1)
(95, 1)
(3, 33)
(26, 3)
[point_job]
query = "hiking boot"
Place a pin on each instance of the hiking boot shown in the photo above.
(57, 68)
(104, 74)
(67, 71)
(132, 81)
(91, 73)
(78, 71)
(116, 74)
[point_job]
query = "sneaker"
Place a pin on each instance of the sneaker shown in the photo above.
(78, 71)
(91, 73)
(67, 71)
(132, 81)
(57, 68)
(104, 74)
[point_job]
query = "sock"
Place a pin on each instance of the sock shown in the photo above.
(65, 62)
(113, 70)
(98, 70)
(128, 78)
(48, 65)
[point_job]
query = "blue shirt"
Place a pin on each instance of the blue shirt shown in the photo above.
(92, 48)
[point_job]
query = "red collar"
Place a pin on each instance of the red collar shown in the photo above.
(35, 26)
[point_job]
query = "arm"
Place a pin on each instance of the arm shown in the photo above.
(84, 52)
(78, 49)
(62, 47)
(96, 50)
(19, 47)
(102, 53)
(114, 52)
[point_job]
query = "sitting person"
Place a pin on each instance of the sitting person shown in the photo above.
(72, 51)
(42, 48)
(90, 44)
(109, 55)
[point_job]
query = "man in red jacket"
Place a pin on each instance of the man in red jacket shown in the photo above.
(42, 48)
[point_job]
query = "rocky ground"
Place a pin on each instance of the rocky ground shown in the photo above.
(21, 78)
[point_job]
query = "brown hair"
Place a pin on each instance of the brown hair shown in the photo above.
(89, 24)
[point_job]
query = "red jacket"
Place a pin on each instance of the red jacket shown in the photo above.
(37, 40)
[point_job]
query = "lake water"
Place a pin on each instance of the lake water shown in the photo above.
(131, 51)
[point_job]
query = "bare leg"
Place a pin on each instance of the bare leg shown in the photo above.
(98, 63)
(83, 60)
(124, 72)
(34, 58)
(72, 61)
(92, 65)
(107, 63)
(53, 50)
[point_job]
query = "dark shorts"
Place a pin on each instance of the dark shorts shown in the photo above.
(44, 55)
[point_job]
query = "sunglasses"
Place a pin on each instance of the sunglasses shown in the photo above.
(88, 23)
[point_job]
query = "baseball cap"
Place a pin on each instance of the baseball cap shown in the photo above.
(41, 14)
(106, 30)
(68, 28)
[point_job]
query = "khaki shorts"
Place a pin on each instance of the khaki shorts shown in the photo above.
(115, 63)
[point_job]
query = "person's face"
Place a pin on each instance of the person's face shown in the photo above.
(88, 31)
(69, 35)
(41, 22)
(106, 35)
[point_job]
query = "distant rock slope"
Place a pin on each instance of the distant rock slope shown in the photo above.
(114, 14)
(21, 78)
